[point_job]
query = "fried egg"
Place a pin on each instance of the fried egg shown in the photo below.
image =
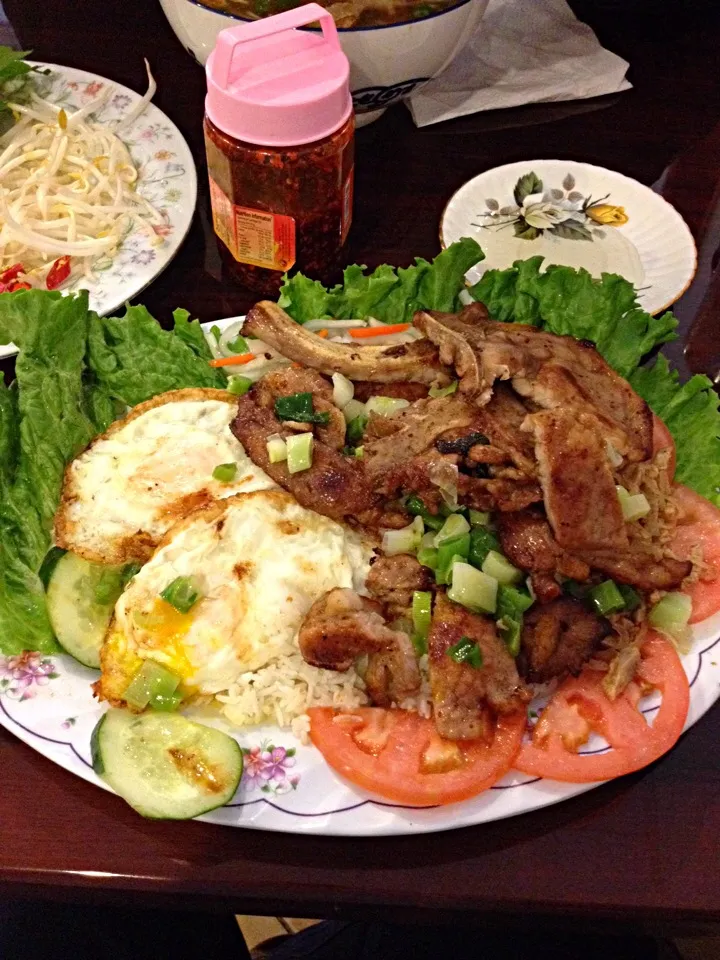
(258, 561)
(148, 471)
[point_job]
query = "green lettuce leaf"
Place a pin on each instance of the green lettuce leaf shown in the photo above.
(45, 423)
(567, 301)
(191, 334)
(389, 294)
(132, 358)
(76, 372)
(691, 413)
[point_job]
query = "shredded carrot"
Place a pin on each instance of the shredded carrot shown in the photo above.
(361, 332)
(233, 361)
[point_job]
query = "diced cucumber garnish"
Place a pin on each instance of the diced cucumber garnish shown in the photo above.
(166, 766)
(225, 472)
(80, 600)
(299, 452)
(671, 616)
(497, 566)
(473, 589)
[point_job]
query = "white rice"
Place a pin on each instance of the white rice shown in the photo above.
(284, 689)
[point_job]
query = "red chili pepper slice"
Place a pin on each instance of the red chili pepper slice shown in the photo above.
(19, 286)
(12, 273)
(59, 272)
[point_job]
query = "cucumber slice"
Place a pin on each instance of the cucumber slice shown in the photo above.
(81, 597)
(166, 766)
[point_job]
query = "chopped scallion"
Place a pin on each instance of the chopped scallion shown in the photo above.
(153, 685)
(239, 386)
(436, 392)
(225, 472)
(633, 506)
(405, 540)
(343, 390)
(299, 452)
(422, 612)
(239, 345)
(466, 651)
(496, 565)
(181, 594)
(448, 553)
(671, 616)
(276, 448)
(299, 407)
(478, 518)
(386, 406)
(428, 557)
(455, 526)
(482, 541)
(473, 589)
(606, 598)
(417, 508)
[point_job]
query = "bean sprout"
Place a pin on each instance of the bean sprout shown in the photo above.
(68, 188)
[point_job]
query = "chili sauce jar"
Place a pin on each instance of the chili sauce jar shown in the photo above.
(279, 135)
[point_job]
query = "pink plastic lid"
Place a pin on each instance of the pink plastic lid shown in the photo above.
(276, 86)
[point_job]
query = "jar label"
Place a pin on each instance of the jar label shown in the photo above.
(257, 237)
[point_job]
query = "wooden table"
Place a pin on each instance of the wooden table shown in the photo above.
(643, 850)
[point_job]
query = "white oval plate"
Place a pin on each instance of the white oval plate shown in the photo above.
(651, 245)
(287, 786)
(167, 179)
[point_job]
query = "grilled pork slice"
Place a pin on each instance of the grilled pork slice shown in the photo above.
(341, 626)
(549, 370)
(283, 383)
(641, 565)
(393, 580)
(528, 542)
(461, 693)
(578, 486)
(334, 485)
(416, 361)
(364, 389)
(414, 430)
(558, 638)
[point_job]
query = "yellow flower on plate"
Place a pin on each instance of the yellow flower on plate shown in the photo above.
(607, 214)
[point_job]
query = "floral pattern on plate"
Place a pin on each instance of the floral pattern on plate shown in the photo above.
(563, 212)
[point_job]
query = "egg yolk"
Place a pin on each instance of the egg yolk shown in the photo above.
(164, 628)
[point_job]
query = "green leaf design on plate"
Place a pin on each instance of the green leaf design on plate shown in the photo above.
(527, 184)
(525, 231)
(571, 230)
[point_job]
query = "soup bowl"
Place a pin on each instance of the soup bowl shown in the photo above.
(388, 62)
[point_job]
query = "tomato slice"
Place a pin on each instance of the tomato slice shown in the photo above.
(580, 706)
(662, 439)
(398, 754)
(699, 525)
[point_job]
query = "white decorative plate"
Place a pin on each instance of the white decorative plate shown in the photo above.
(167, 179)
(578, 215)
(287, 786)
